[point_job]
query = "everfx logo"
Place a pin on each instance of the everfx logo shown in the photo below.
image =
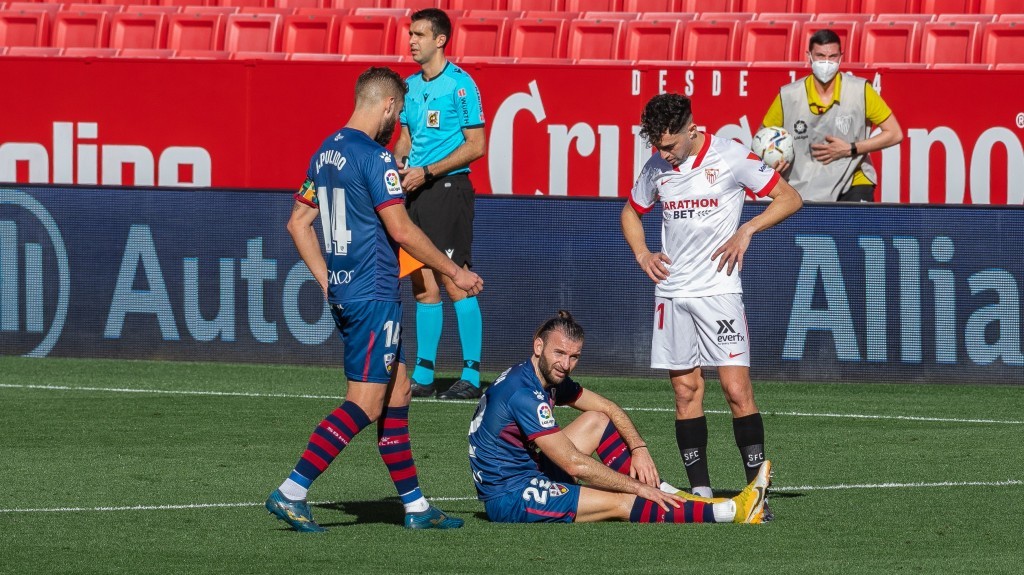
(23, 261)
(725, 326)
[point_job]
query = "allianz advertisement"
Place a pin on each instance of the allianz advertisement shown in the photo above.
(855, 293)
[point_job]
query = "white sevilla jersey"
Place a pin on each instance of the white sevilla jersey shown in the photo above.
(702, 201)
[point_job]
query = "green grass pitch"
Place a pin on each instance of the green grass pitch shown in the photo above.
(874, 478)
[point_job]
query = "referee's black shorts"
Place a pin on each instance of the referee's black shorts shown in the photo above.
(443, 209)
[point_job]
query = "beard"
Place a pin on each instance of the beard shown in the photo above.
(550, 378)
(386, 132)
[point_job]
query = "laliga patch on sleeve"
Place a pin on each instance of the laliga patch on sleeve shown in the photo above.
(392, 183)
(544, 416)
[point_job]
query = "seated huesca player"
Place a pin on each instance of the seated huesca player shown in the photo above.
(527, 469)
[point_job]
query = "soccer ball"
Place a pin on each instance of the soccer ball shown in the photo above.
(772, 144)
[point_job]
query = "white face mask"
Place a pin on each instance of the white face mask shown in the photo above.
(824, 70)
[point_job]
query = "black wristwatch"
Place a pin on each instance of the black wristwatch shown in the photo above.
(853, 149)
(426, 173)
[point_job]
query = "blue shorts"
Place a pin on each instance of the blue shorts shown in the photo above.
(372, 332)
(540, 501)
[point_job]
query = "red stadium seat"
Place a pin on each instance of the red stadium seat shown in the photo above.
(948, 6)
(415, 5)
(549, 15)
(1001, 7)
(538, 38)
(79, 7)
(38, 51)
(129, 30)
(253, 33)
(296, 4)
(950, 42)
(711, 40)
(624, 16)
(375, 58)
(848, 32)
(764, 41)
(240, 3)
(479, 37)
(890, 6)
(392, 12)
(666, 16)
(317, 57)
(1010, 18)
(833, 17)
(80, 30)
(770, 6)
(24, 28)
(336, 12)
(310, 34)
(1002, 42)
(1005, 66)
(201, 54)
(50, 8)
(917, 18)
(167, 10)
(207, 10)
(784, 17)
(88, 52)
(128, 3)
(593, 5)
(709, 5)
(650, 5)
(145, 53)
(367, 35)
(282, 12)
(833, 6)
(195, 32)
(887, 42)
(979, 18)
(257, 55)
(652, 40)
(473, 60)
(526, 5)
(350, 4)
(595, 39)
(182, 2)
(724, 16)
(495, 14)
(478, 5)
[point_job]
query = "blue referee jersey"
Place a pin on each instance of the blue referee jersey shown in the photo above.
(437, 110)
(350, 178)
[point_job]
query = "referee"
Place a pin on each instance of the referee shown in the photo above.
(442, 133)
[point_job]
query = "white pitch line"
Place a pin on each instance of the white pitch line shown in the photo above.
(457, 402)
(188, 506)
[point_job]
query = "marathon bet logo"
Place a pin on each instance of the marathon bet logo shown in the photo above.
(23, 273)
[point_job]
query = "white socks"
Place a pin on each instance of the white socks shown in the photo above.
(293, 490)
(418, 506)
(725, 512)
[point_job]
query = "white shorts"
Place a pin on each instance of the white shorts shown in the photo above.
(697, 331)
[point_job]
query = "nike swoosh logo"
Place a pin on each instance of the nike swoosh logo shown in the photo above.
(755, 465)
(663, 182)
(760, 496)
(734, 355)
(691, 462)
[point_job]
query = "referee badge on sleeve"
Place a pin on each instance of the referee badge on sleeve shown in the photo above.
(433, 118)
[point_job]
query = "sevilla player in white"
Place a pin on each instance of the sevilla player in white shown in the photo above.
(699, 320)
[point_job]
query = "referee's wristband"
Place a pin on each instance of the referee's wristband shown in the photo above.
(637, 447)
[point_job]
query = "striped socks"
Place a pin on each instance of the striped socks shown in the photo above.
(396, 451)
(647, 511)
(613, 451)
(326, 442)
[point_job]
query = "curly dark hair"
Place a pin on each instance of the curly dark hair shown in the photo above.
(664, 114)
(562, 322)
